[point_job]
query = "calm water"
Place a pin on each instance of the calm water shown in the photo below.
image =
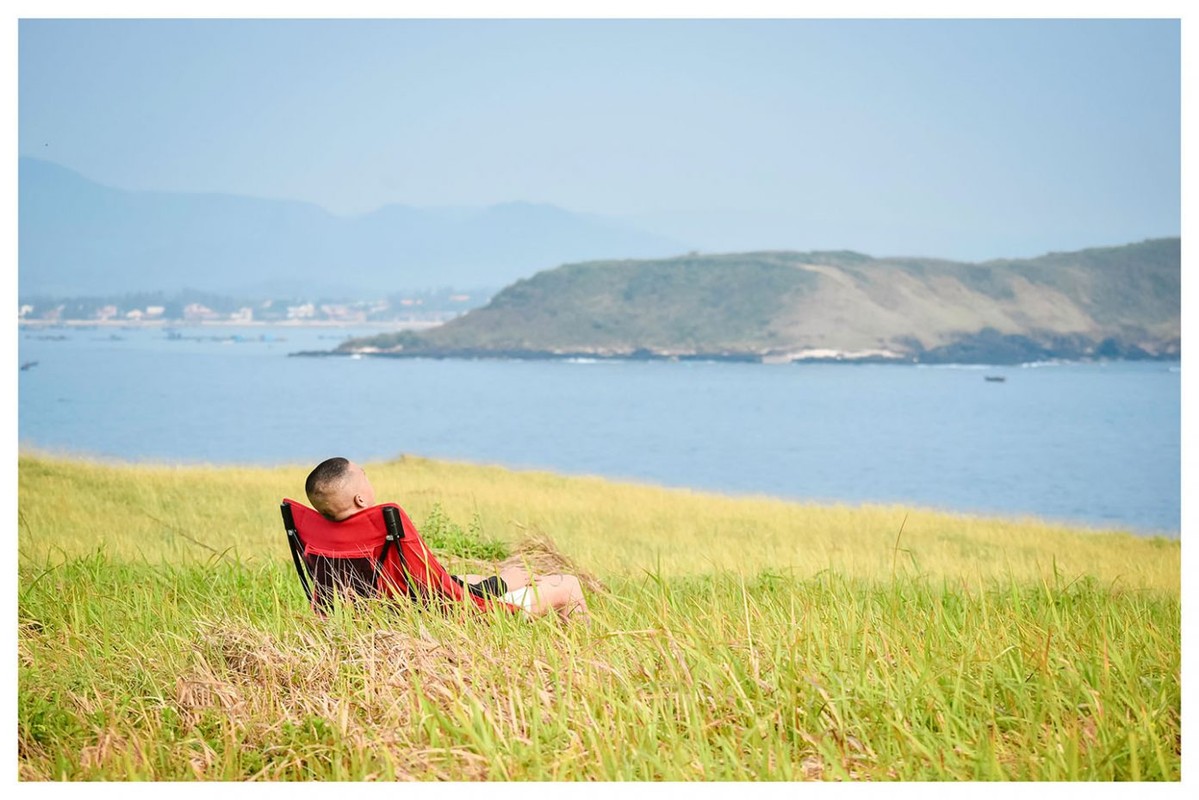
(1098, 444)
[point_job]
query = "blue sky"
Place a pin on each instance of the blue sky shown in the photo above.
(968, 139)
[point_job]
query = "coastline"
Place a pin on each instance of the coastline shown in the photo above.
(823, 356)
(498, 472)
(83, 324)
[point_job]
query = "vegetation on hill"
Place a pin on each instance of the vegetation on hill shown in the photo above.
(1119, 301)
(162, 635)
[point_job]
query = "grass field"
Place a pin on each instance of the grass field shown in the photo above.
(163, 635)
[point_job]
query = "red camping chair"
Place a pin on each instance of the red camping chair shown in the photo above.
(374, 553)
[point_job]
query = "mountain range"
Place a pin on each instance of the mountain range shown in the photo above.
(79, 237)
(1120, 302)
(589, 285)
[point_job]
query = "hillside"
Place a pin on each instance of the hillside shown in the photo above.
(78, 237)
(1107, 302)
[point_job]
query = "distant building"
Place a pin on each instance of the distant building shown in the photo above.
(135, 315)
(342, 313)
(245, 314)
(25, 310)
(305, 311)
(105, 313)
(155, 311)
(196, 312)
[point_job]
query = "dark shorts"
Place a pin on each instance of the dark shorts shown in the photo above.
(488, 587)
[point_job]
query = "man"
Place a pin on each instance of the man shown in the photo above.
(338, 488)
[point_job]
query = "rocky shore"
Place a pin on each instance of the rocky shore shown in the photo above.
(986, 347)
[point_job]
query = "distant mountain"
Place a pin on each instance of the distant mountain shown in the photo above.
(78, 237)
(1116, 302)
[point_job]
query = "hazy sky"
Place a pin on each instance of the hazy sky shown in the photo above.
(966, 139)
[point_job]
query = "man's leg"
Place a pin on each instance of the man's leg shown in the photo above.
(561, 593)
(515, 576)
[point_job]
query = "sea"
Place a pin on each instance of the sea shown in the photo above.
(1093, 444)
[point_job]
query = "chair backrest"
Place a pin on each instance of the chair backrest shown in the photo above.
(374, 553)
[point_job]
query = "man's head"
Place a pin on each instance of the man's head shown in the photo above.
(338, 488)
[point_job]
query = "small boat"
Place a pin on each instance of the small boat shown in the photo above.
(995, 378)
(27, 365)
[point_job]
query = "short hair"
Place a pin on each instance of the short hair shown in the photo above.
(327, 472)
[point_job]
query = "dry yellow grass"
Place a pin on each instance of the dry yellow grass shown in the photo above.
(737, 639)
(73, 507)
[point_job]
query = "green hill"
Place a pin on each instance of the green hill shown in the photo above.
(1115, 302)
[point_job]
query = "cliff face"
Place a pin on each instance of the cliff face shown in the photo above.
(1109, 302)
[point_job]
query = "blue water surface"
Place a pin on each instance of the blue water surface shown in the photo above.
(1092, 443)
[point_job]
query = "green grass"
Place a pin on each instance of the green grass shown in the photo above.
(181, 648)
